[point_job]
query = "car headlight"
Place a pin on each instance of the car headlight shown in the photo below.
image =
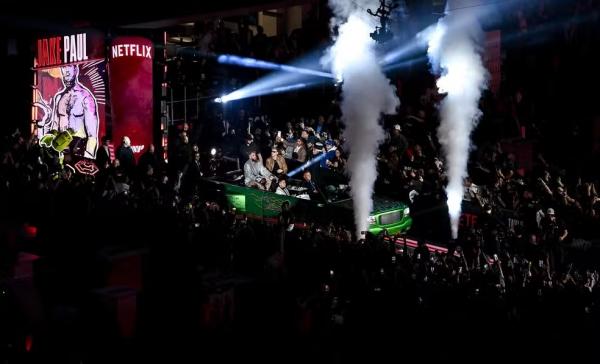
(406, 211)
(372, 220)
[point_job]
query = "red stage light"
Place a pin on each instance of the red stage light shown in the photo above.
(30, 231)
(28, 343)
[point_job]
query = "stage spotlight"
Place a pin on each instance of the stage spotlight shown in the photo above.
(268, 86)
(405, 64)
(283, 79)
(289, 88)
(418, 44)
(403, 52)
(235, 95)
(223, 99)
(338, 80)
(330, 153)
(257, 63)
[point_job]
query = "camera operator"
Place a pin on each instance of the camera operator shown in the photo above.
(216, 163)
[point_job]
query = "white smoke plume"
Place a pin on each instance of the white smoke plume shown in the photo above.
(454, 52)
(366, 95)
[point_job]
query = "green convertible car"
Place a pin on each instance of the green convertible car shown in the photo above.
(335, 205)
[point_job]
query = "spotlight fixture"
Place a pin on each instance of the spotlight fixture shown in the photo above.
(221, 100)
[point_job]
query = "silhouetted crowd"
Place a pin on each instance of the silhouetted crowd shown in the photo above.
(311, 287)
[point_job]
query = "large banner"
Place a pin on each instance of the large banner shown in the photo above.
(69, 91)
(130, 74)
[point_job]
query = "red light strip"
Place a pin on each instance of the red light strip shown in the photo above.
(413, 244)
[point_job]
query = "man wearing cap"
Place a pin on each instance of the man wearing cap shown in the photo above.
(398, 140)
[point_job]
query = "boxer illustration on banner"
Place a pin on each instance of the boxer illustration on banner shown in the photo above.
(74, 107)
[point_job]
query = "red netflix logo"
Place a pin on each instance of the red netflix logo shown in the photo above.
(132, 106)
(131, 50)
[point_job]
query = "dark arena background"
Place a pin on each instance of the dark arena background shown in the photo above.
(299, 181)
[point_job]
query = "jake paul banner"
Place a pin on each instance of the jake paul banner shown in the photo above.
(69, 91)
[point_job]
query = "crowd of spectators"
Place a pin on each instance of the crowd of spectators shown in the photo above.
(315, 291)
(318, 281)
